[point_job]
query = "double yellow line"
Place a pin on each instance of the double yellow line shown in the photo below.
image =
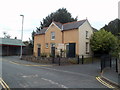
(104, 83)
(4, 85)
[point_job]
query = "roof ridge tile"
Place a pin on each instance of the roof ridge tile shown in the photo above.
(74, 21)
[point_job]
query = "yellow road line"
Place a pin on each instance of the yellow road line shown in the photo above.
(104, 83)
(36, 65)
(4, 85)
(27, 64)
(107, 78)
(14, 62)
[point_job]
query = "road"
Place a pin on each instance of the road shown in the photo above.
(22, 74)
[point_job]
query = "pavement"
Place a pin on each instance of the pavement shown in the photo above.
(111, 76)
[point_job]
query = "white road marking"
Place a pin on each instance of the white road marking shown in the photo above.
(30, 76)
(75, 73)
(55, 83)
(24, 85)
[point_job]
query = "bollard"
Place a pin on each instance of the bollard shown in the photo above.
(116, 65)
(92, 59)
(78, 59)
(110, 62)
(101, 64)
(82, 59)
(59, 61)
(52, 59)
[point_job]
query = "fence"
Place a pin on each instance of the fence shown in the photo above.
(108, 61)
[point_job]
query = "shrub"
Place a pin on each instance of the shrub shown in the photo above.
(43, 55)
(72, 61)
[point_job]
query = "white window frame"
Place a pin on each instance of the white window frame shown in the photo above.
(52, 35)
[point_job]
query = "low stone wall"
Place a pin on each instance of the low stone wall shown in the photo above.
(49, 60)
(37, 59)
(58, 60)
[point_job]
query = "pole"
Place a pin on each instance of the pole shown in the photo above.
(116, 65)
(82, 59)
(21, 36)
(78, 59)
(110, 62)
(59, 60)
(52, 59)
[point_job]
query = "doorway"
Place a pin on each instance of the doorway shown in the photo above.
(39, 50)
(53, 49)
(71, 50)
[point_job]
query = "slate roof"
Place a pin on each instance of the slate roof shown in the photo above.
(8, 41)
(73, 25)
(58, 24)
(94, 29)
(42, 31)
(66, 26)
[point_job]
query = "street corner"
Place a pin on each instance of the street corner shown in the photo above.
(111, 77)
(102, 81)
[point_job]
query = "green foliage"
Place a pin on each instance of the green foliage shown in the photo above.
(104, 42)
(33, 33)
(72, 61)
(61, 15)
(43, 55)
(114, 28)
(50, 55)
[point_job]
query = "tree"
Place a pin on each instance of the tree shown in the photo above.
(6, 35)
(28, 49)
(104, 42)
(61, 15)
(113, 27)
(32, 41)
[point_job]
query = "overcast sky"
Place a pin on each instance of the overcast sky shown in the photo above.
(98, 13)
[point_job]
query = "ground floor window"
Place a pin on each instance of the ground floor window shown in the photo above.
(46, 45)
(87, 48)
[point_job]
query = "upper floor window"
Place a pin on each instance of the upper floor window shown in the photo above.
(52, 35)
(87, 35)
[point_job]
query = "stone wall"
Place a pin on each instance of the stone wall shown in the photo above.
(49, 60)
